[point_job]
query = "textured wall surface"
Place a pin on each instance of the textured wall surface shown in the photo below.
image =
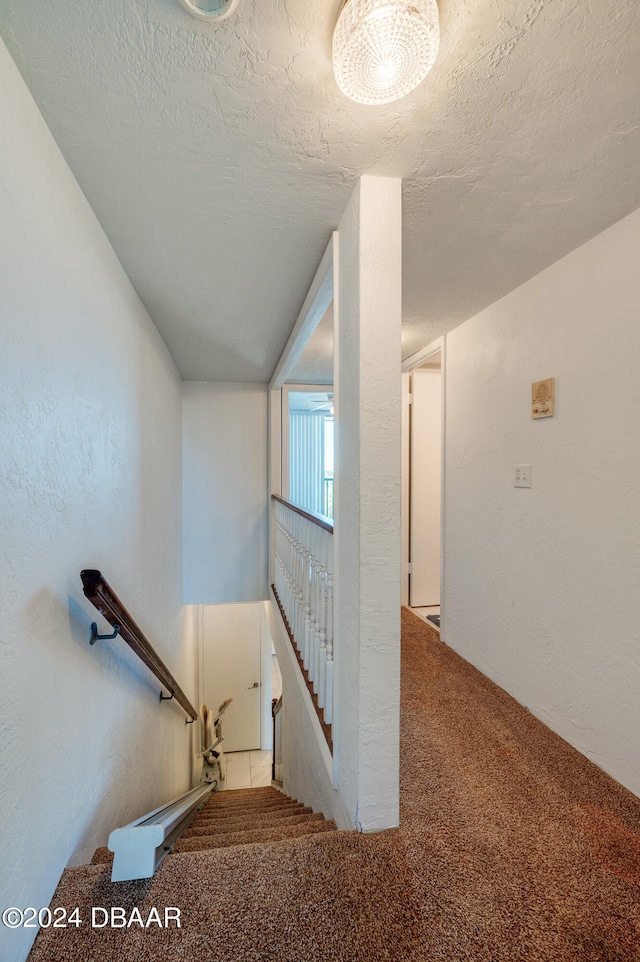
(225, 492)
(90, 442)
(541, 584)
(220, 158)
(367, 504)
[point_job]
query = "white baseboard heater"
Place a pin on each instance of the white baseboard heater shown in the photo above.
(138, 848)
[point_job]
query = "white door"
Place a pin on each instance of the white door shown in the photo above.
(426, 467)
(231, 669)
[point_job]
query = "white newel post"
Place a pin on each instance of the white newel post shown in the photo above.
(367, 382)
(328, 669)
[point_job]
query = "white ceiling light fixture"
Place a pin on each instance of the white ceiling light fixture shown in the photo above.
(210, 10)
(382, 49)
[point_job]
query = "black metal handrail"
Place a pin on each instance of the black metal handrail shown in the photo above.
(100, 594)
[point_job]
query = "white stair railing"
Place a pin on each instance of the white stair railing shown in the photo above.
(303, 574)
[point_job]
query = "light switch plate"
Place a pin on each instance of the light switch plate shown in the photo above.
(522, 475)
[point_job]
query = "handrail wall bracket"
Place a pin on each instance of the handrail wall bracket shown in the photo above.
(94, 636)
(104, 598)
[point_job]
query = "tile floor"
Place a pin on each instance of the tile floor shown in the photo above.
(247, 770)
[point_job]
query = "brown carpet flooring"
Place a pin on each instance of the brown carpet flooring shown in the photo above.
(512, 848)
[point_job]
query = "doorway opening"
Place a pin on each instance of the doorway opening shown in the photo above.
(236, 661)
(423, 435)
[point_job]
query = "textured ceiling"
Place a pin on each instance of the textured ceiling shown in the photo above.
(219, 158)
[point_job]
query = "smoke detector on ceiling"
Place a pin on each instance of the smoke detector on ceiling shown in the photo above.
(210, 10)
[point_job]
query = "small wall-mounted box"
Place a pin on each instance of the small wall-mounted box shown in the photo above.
(542, 398)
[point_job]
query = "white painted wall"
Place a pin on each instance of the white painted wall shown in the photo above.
(90, 441)
(405, 494)
(541, 585)
(426, 486)
(225, 492)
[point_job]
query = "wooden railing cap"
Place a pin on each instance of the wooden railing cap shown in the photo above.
(319, 519)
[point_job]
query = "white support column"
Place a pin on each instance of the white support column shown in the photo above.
(367, 339)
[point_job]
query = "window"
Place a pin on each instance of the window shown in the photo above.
(311, 450)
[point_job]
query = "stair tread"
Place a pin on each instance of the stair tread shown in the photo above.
(233, 795)
(282, 811)
(236, 813)
(199, 842)
(247, 824)
(222, 811)
(260, 790)
(256, 811)
(102, 856)
(215, 805)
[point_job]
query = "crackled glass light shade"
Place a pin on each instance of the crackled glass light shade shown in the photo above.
(382, 49)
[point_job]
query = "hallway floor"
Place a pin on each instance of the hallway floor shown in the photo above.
(247, 770)
(512, 847)
(425, 612)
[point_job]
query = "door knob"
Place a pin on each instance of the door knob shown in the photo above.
(256, 684)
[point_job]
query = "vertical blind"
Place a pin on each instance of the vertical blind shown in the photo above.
(306, 459)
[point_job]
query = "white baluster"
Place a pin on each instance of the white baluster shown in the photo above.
(293, 619)
(288, 601)
(328, 701)
(304, 647)
(299, 578)
(317, 615)
(300, 582)
(322, 616)
(328, 657)
(315, 623)
(286, 573)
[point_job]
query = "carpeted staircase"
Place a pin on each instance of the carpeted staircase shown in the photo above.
(239, 838)
(240, 817)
